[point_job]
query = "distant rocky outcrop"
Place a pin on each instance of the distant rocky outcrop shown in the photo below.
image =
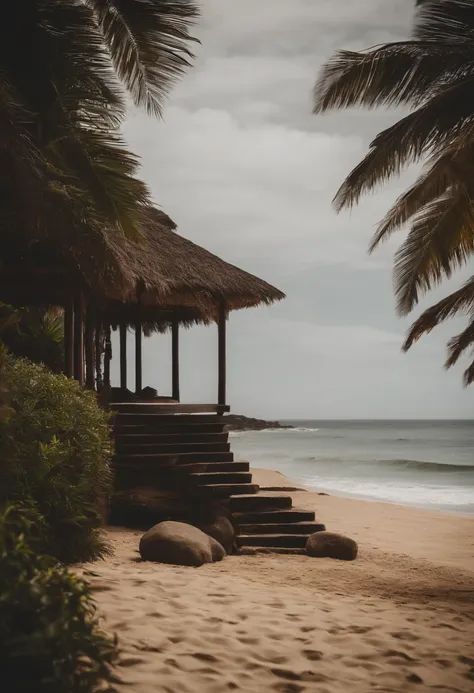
(236, 422)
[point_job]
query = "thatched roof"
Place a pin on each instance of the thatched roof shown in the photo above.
(159, 271)
(170, 270)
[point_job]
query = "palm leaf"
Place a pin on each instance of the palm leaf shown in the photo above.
(390, 75)
(444, 21)
(441, 239)
(148, 42)
(443, 171)
(459, 344)
(447, 118)
(459, 301)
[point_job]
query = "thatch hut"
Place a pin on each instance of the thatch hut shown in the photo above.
(157, 282)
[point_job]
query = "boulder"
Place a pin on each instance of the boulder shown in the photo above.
(179, 544)
(330, 545)
(222, 530)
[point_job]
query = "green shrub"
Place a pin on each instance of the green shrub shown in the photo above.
(55, 453)
(50, 641)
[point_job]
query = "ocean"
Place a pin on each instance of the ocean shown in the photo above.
(428, 464)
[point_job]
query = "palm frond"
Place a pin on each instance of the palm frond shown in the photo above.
(468, 376)
(444, 21)
(405, 72)
(148, 41)
(460, 301)
(441, 240)
(447, 117)
(459, 344)
(442, 172)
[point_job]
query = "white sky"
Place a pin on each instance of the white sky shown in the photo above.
(246, 171)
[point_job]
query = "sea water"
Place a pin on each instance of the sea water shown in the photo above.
(429, 464)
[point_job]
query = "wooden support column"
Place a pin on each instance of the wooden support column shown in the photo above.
(138, 357)
(69, 338)
(89, 345)
(98, 354)
(107, 359)
(79, 339)
(123, 356)
(222, 355)
(175, 358)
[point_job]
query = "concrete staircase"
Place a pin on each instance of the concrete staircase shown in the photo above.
(183, 451)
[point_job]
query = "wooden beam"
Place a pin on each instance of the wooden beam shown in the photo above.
(79, 339)
(69, 338)
(175, 358)
(222, 355)
(89, 345)
(138, 358)
(123, 356)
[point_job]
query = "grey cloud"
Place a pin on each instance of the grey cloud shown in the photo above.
(246, 170)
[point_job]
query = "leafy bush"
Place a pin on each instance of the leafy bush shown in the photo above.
(50, 641)
(55, 453)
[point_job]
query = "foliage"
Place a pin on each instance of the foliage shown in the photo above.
(433, 75)
(55, 452)
(50, 641)
(66, 69)
(35, 333)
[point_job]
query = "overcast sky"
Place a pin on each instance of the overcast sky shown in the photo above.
(246, 171)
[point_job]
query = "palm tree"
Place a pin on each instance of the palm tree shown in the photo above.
(69, 88)
(433, 75)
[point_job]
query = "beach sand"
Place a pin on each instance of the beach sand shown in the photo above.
(399, 618)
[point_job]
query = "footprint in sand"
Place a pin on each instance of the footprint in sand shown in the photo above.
(404, 635)
(130, 661)
(204, 657)
(286, 674)
(399, 654)
(288, 688)
(313, 655)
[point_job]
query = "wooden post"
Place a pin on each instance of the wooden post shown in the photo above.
(79, 339)
(98, 354)
(123, 356)
(175, 358)
(138, 357)
(222, 356)
(69, 338)
(107, 359)
(89, 343)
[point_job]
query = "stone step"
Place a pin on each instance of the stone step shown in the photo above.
(203, 467)
(168, 419)
(274, 516)
(173, 458)
(158, 438)
(259, 503)
(288, 541)
(125, 448)
(155, 426)
(207, 478)
(306, 528)
(235, 490)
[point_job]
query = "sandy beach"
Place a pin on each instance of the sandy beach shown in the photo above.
(399, 618)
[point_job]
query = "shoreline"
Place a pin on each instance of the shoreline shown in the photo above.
(293, 483)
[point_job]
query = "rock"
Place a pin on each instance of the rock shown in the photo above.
(330, 545)
(179, 544)
(222, 530)
(236, 422)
